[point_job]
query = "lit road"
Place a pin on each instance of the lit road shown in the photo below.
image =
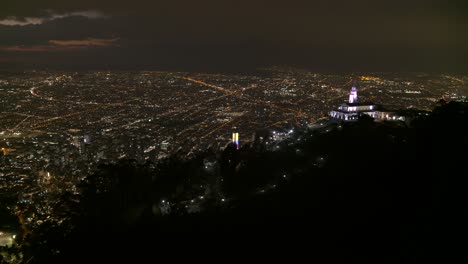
(19, 124)
(454, 79)
(33, 92)
(248, 98)
(46, 122)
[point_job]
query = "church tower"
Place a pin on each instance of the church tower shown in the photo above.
(353, 95)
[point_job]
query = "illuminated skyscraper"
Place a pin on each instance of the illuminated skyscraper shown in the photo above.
(235, 139)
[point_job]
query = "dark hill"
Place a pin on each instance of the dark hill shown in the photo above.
(377, 192)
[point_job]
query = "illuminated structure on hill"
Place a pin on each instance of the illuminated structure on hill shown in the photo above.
(353, 110)
(353, 95)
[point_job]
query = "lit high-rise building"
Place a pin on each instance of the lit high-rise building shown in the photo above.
(235, 139)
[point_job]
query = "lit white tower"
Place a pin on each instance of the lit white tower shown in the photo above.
(353, 95)
(235, 139)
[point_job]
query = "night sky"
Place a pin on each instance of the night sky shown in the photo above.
(322, 35)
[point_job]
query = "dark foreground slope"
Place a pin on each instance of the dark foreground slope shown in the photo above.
(363, 192)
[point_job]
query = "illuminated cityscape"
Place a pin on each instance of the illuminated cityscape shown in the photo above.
(208, 129)
(57, 126)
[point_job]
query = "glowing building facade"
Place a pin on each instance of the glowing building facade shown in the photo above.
(353, 110)
(235, 139)
(353, 95)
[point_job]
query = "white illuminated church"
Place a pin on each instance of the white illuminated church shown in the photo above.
(353, 110)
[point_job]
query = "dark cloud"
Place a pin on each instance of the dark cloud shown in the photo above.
(321, 34)
(63, 45)
(25, 21)
(88, 42)
(60, 29)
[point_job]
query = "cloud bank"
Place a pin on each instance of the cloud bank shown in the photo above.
(26, 21)
(63, 45)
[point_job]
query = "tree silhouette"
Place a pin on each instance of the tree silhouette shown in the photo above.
(399, 187)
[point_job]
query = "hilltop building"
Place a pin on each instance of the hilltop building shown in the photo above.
(352, 110)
